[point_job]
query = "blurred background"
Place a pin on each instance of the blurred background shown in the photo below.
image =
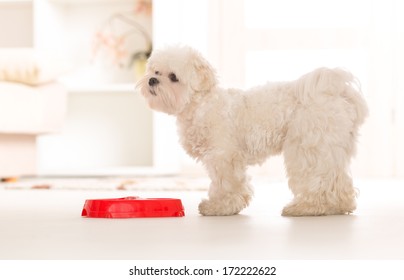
(95, 50)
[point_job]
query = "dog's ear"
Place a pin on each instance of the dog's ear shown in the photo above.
(203, 75)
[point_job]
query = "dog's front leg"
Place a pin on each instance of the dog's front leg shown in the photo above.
(230, 190)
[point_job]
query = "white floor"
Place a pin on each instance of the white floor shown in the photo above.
(46, 224)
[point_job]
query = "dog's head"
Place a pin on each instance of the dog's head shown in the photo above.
(174, 76)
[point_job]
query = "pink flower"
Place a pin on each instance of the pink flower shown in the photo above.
(115, 44)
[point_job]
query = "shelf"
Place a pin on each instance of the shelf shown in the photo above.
(100, 88)
(15, 1)
(74, 2)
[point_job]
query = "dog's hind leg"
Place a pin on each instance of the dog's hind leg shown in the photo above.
(331, 194)
(230, 190)
(319, 179)
(317, 163)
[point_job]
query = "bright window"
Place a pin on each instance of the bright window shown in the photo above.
(253, 41)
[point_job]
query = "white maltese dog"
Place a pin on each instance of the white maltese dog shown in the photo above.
(313, 121)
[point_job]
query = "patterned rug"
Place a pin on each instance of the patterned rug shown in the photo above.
(169, 183)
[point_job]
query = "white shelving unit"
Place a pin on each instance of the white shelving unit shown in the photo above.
(108, 128)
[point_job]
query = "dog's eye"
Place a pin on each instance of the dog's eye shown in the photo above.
(173, 77)
(157, 72)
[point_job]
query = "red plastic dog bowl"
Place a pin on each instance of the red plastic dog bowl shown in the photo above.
(133, 207)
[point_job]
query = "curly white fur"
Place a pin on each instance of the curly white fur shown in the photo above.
(313, 121)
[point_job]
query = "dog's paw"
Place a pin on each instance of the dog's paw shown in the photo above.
(307, 209)
(297, 210)
(219, 207)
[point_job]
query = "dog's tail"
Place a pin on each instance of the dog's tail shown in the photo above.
(337, 82)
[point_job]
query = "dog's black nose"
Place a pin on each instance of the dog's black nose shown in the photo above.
(153, 82)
